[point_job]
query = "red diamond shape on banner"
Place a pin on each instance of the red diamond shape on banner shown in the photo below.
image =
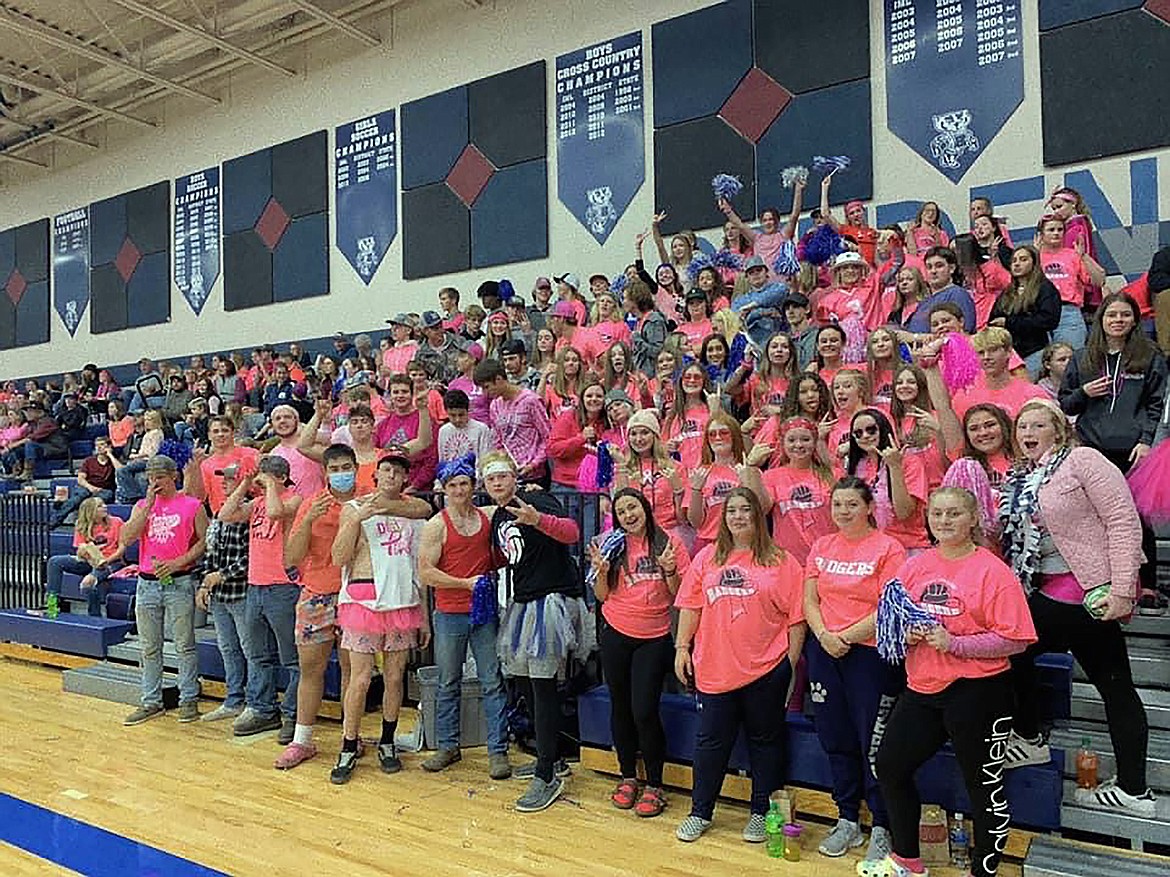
(755, 104)
(16, 286)
(1159, 9)
(127, 259)
(469, 176)
(272, 224)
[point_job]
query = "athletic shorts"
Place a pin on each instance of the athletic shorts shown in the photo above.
(372, 643)
(316, 619)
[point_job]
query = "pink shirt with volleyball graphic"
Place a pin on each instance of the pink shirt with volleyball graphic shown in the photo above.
(850, 575)
(800, 508)
(974, 594)
(1068, 274)
(639, 606)
(747, 610)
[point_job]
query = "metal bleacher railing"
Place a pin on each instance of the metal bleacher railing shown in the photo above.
(24, 548)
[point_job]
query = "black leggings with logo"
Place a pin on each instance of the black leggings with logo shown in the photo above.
(975, 715)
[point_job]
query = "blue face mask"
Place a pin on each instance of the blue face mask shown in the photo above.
(342, 482)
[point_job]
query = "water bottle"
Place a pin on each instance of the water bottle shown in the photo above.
(960, 855)
(166, 579)
(52, 606)
(774, 830)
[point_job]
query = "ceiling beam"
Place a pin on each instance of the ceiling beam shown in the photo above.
(12, 76)
(337, 22)
(46, 130)
(223, 45)
(20, 159)
(53, 36)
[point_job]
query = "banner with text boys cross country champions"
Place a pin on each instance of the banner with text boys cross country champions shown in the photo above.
(601, 154)
(954, 76)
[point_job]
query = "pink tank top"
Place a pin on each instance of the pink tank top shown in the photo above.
(170, 529)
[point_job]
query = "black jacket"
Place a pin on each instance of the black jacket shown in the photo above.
(1159, 278)
(1030, 330)
(1116, 423)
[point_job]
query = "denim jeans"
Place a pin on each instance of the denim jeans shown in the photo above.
(131, 481)
(78, 495)
(231, 633)
(66, 563)
(1071, 328)
(154, 602)
(271, 626)
(453, 631)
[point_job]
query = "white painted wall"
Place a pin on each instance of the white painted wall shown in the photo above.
(430, 46)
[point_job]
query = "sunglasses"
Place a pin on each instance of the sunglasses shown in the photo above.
(719, 432)
(863, 431)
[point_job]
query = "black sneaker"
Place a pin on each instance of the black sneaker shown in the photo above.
(388, 758)
(341, 773)
(528, 771)
(1151, 603)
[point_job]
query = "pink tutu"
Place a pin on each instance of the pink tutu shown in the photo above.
(358, 618)
(1149, 481)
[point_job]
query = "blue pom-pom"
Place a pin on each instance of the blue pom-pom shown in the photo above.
(507, 291)
(736, 353)
(786, 263)
(178, 451)
(484, 601)
(618, 285)
(726, 187)
(828, 164)
(611, 543)
(728, 260)
(697, 264)
(897, 617)
(823, 244)
(905, 353)
(604, 465)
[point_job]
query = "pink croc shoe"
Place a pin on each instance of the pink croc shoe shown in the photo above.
(294, 754)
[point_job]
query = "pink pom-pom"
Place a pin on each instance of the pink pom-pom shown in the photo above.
(855, 335)
(969, 475)
(958, 362)
(1149, 481)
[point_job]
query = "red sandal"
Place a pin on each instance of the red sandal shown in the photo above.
(651, 804)
(625, 794)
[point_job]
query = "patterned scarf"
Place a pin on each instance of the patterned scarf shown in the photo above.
(1018, 506)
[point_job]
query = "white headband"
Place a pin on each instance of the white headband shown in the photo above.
(497, 467)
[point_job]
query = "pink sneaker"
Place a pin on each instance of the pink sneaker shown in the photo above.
(293, 755)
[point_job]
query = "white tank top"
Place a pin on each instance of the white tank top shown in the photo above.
(393, 546)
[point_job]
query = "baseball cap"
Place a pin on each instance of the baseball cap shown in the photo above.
(512, 347)
(395, 454)
(569, 280)
(161, 463)
(399, 319)
(340, 336)
(542, 283)
(844, 260)
(600, 277)
(617, 395)
(564, 309)
(517, 301)
(277, 467)
(696, 294)
(754, 262)
(797, 300)
(431, 319)
(476, 351)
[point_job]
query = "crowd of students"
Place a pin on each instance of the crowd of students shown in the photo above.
(912, 447)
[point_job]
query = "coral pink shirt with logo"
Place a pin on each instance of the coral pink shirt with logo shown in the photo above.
(307, 476)
(973, 594)
(850, 575)
(746, 611)
(695, 333)
(105, 536)
(266, 545)
(800, 508)
(246, 458)
(639, 605)
(1010, 398)
(720, 481)
(1068, 274)
(689, 431)
(656, 488)
(609, 332)
(911, 531)
(170, 529)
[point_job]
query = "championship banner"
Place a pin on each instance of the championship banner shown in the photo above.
(366, 185)
(197, 227)
(954, 76)
(601, 155)
(71, 267)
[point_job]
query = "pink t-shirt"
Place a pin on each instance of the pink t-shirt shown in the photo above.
(911, 531)
(398, 429)
(246, 458)
(480, 403)
(170, 529)
(266, 545)
(639, 606)
(925, 238)
(850, 575)
(863, 301)
(522, 427)
(656, 488)
(720, 481)
(105, 536)
(610, 332)
(746, 611)
(396, 359)
(767, 247)
(769, 392)
(689, 432)
(800, 508)
(307, 476)
(1010, 398)
(695, 333)
(1068, 274)
(974, 594)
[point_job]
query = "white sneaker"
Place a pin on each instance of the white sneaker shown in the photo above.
(1021, 752)
(244, 717)
(879, 844)
(1110, 796)
(221, 712)
(845, 836)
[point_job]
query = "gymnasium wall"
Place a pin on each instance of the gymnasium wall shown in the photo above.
(1102, 99)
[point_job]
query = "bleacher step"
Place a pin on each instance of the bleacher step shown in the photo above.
(1068, 737)
(130, 651)
(1149, 661)
(1088, 707)
(1053, 857)
(1147, 625)
(1137, 830)
(74, 634)
(117, 683)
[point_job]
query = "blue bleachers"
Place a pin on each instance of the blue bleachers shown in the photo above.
(1034, 792)
(75, 634)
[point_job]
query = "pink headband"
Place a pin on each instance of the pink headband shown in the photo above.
(849, 205)
(797, 423)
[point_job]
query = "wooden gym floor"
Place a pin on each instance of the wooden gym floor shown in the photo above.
(197, 793)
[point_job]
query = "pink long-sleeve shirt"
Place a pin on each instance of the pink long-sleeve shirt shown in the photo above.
(522, 428)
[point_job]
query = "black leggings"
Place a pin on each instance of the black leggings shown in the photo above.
(545, 705)
(634, 671)
(1099, 647)
(975, 715)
